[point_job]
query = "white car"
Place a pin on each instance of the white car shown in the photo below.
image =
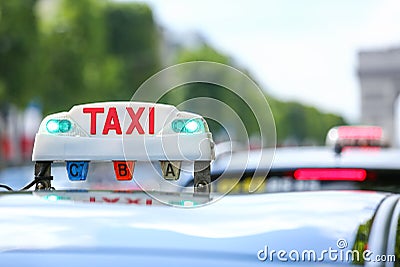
(89, 227)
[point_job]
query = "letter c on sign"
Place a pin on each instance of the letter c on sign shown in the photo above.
(73, 167)
(77, 170)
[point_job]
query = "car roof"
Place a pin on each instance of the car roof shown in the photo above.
(231, 229)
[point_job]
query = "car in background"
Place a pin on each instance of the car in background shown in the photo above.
(355, 157)
(307, 168)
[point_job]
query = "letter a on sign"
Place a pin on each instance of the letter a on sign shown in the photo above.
(123, 170)
(170, 169)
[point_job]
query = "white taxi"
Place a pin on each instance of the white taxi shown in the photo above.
(125, 228)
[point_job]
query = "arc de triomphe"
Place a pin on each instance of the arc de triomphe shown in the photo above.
(379, 75)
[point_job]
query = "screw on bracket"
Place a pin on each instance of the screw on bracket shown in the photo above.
(202, 177)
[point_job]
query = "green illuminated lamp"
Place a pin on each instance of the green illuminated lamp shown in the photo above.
(54, 126)
(189, 126)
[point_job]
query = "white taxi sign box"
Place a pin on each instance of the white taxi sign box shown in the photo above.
(122, 131)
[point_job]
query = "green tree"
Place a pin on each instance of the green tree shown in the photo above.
(191, 91)
(72, 50)
(96, 51)
(18, 44)
(132, 37)
(301, 123)
(90, 50)
(202, 53)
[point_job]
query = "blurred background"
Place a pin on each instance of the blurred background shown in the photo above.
(319, 63)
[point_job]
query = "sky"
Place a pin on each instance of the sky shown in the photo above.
(304, 51)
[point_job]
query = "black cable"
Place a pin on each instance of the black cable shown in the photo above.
(22, 189)
(26, 187)
(38, 179)
(6, 187)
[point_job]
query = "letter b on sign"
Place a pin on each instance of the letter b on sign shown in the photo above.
(124, 170)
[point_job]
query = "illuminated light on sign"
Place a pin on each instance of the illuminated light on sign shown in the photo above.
(331, 174)
(192, 126)
(52, 126)
(170, 169)
(124, 170)
(55, 126)
(77, 170)
(189, 126)
(360, 132)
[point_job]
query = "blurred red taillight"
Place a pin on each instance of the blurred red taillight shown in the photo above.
(331, 174)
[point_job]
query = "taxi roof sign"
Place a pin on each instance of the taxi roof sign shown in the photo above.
(358, 135)
(360, 132)
(124, 133)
